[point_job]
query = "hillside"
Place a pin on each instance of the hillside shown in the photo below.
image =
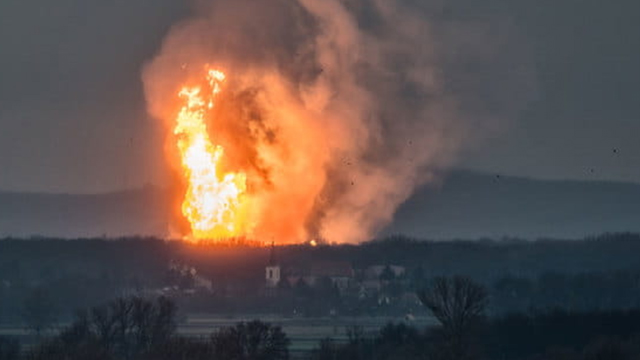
(464, 205)
(472, 205)
(133, 212)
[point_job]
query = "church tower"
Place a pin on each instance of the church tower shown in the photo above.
(272, 271)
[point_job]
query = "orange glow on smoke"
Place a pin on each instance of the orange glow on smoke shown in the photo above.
(215, 201)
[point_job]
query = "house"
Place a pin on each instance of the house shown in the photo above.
(340, 274)
(375, 277)
(376, 271)
(187, 278)
(202, 283)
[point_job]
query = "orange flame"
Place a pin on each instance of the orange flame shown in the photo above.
(215, 201)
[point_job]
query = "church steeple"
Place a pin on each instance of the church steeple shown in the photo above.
(272, 270)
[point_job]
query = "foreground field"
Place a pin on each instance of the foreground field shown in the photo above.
(305, 333)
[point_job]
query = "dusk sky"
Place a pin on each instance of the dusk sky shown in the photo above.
(73, 115)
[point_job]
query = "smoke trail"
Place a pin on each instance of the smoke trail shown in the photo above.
(336, 110)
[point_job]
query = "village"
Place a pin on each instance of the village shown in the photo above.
(320, 288)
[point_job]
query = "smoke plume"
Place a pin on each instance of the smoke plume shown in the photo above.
(335, 109)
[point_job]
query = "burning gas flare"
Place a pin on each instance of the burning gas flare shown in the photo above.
(215, 201)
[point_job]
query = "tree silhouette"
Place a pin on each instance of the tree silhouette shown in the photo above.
(38, 311)
(182, 348)
(387, 274)
(9, 348)
(125, 328)
(254, 340)
(457, 303)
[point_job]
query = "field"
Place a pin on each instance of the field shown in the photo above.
(305, 333)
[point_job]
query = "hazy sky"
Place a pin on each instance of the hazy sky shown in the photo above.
(73, 118)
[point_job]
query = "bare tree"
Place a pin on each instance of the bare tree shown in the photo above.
(254, 340)
(130, 326)
(456, 302)
(125, 328)
(9, 348)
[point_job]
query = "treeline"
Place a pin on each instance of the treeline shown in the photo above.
(466, 333)
(575, 292)
(485, 259)
(595, 273)
(555, 335)
(489, 259)
(561, 334)
(135, 328)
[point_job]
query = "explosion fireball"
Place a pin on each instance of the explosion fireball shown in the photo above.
(311, 135)
(331, 113)
(214, 202)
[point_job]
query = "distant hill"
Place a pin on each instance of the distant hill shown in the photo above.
(464, 205)
(472, 205)
(132, 212)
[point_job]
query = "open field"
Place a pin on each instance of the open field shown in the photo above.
(305, 333)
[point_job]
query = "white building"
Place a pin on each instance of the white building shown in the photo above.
(272, 271)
